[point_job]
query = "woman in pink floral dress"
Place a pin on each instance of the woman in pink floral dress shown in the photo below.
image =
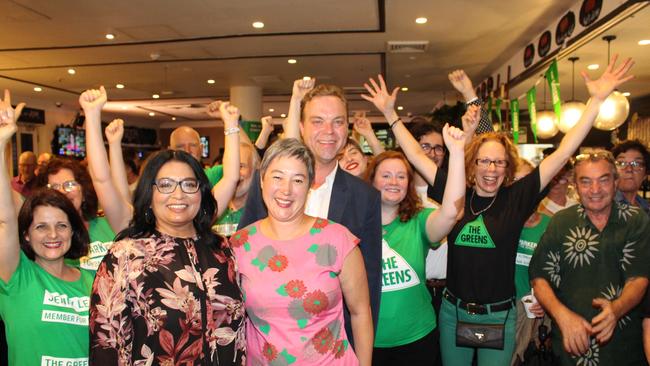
(295, 272)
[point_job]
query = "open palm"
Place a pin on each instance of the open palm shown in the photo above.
(609, 80)
(379, 95)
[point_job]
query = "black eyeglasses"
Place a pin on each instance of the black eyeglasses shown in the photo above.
(68, 186)
(437, 149)
(485, 163)
(635, 165)
(168, 185)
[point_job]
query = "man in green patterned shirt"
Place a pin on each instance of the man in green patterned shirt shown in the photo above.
(590, 271)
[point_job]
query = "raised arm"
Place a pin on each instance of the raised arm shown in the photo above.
(385, 103)
(114, 133)
(118, 210)
(441, 221)
(363, 127)
(291, 124)
(225, 189)
(463, 85)
(267, 129)
(9, 245)
(599, 90)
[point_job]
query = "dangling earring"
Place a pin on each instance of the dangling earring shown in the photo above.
(148, 216)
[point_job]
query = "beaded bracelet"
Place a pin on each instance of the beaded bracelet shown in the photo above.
(230, 130)
(393, 123)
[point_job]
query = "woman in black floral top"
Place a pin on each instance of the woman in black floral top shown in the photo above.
(166, 293)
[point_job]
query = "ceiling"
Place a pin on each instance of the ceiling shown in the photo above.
(172, 48)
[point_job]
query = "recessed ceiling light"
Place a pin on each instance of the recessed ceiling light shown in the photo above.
(72, 71)
(155, 96)
(283, 115)
(119, 86)
(399, 108)
(258, 25)
(38, 89)
(405, 88)
(151, 114)
(271, 110)
(593, 67)
(110, 36)
(644, 42)
(292, 61)
(626, 94)
(421, 20)
(211, 81)
(306, 78)
(407, 76)
(412, 58)
(173, 118)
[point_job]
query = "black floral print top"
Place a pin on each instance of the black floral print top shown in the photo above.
(164, 300)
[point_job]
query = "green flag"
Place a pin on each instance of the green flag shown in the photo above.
(498, 110)
(514, 112)
(531, 97)
(252, 128)
(553, 79)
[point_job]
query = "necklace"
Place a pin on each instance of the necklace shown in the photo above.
(483, 210)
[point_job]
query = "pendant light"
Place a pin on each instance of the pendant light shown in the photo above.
(546, 121)
(615, 109)
(572, 109)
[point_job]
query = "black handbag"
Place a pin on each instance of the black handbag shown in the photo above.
(477, 335)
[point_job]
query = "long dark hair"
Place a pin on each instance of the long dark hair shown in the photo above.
(143, 223)
(52, 198)
(89, 202)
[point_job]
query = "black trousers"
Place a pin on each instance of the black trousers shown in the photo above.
(422, 352)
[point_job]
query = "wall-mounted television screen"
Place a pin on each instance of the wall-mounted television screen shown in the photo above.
(69, 141)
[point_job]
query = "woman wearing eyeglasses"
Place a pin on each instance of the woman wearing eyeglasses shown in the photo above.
(43, 301)
(632, 165)
(166, 292)
(483, 244)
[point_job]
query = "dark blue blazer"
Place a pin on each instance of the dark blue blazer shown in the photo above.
(353, 204)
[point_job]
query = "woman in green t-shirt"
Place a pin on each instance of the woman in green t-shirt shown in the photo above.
(406, 317)
(43, 301)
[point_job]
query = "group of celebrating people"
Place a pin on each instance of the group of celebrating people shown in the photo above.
(338, 258)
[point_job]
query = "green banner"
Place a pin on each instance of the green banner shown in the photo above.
(531, 97)
(490, 106)
(514, 112)
(498, 110)
(553, 79)
(252, 128)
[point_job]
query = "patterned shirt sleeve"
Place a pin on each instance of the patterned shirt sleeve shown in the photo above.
(111, 328)
(484, 124)
(636, 251)
(545, 262)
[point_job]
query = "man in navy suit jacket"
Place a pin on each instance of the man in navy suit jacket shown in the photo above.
(335, 194)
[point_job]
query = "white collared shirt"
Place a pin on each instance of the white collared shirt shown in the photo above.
(318, 200)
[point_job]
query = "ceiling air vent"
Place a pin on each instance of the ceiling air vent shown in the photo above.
(407, 46)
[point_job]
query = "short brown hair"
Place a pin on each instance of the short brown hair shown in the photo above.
(471, 151)
(411, 204)
(323, 90)
(89, 203)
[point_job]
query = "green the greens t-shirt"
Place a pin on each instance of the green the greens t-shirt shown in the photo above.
(46, 318)
(101, 239)
(214, 173)
(528, 240)
(405, 314)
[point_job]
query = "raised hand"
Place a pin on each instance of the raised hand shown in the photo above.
(362, 125)
(454, 138)
(8, 117)
(229, 114)
(115, 131)
(471, 119)
(267, 123)
(213, 109)
(301, 87)
(92, 100)
(461, 82)
(609, 80)
(379, 95)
